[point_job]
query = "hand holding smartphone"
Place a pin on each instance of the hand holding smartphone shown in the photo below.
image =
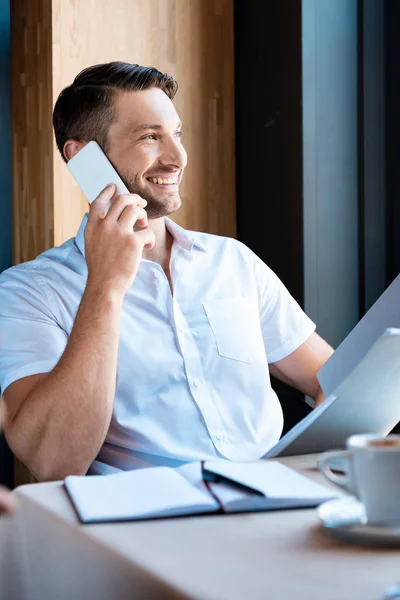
(92, 171)
(113, 250)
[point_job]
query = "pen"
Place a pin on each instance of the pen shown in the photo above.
(217, 478)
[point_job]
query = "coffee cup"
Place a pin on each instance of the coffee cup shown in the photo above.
(372, 474)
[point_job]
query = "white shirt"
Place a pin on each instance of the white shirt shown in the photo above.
(192, 374)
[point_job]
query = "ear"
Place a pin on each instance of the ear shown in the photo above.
(72, 147)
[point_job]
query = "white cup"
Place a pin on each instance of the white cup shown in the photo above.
(372, 474)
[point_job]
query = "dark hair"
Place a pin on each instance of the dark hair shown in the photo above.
(84, 110)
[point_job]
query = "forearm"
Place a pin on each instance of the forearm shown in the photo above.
(300, 368)
(63, 422)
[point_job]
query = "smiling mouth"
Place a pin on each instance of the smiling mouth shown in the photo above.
(163, 180)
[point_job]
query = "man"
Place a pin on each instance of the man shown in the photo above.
(139, 343)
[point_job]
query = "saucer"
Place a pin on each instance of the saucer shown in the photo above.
(344, 518)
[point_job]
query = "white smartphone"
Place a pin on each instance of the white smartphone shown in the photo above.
(92, 171)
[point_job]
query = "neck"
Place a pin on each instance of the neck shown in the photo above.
(161, 253)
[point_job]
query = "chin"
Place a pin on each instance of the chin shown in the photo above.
(162, 208)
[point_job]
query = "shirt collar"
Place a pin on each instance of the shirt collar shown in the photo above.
(185, 239)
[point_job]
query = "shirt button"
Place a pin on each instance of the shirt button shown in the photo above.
(196, 382)
(157, 275)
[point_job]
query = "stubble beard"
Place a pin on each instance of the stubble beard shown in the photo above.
(156, 207)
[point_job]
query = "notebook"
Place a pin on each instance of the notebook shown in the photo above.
(194, 488)
(367, 400)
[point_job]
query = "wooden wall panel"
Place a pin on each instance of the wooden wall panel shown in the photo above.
(31, 129)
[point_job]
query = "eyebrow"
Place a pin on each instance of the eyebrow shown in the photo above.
(155, 126)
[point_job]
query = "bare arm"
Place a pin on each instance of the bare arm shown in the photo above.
(61, 424)
(300, 368)
(58, 426)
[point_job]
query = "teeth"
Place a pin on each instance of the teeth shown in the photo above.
(163, 180)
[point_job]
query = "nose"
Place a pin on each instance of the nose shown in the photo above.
(173, 153)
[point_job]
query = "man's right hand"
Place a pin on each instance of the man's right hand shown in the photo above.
(113, 249)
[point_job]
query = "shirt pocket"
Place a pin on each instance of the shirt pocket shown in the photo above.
(235, 323)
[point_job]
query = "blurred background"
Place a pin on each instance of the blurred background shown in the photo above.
(289, 109)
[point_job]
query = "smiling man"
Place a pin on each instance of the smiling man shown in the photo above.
(138, 343)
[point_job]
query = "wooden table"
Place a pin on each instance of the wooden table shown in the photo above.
(273, 555)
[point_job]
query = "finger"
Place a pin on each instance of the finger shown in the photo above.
(146, 238)
(121, 201)
(133, 215)
(98, 206)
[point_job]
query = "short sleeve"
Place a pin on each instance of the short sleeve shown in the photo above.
(31, 341)
(285, 326)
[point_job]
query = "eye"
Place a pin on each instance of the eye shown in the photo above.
(150, 136)
(178, 134)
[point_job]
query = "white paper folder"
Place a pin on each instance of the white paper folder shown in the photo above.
(384, 314)
(367, 400)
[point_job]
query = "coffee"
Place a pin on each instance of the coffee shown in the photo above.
(384, 443)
